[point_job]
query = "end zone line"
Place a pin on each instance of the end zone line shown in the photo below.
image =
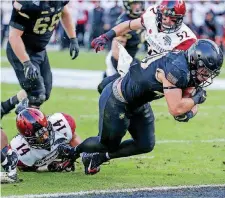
(95, 192)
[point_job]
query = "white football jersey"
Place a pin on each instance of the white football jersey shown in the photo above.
(160, 42)
(39, 157)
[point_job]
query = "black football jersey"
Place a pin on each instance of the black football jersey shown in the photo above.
(140, 86)
(37, 19)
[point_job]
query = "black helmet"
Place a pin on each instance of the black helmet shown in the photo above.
(204, 54)
(127, 5)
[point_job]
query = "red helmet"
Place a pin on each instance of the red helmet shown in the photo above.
(175, 9)
(33, 125)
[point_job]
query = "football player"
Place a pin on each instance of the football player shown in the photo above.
(31, 27)
(164, 27)
(165, 75)
(131, 41)
(37, 143)
(164, 30)
(8, 157)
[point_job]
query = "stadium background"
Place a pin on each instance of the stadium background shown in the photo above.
(185, 154)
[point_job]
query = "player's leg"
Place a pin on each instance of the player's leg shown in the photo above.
(113, 124)
(46, 73)
(10, 104)
(142, 131)
(9, 161)
(35, 88)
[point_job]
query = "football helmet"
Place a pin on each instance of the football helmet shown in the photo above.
(134, 13)
(205, 59)
(33, 125)
(175, 9)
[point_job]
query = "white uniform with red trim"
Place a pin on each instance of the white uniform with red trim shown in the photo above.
(63, 126)
(160, 42)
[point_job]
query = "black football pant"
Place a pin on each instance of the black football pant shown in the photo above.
(115, 119)
(43, 84)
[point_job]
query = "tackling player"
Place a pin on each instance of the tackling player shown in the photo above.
(31, 27)
(37, 143)
(164, 27)
(163, 75)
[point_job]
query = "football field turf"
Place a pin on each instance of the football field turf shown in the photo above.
(185, 153)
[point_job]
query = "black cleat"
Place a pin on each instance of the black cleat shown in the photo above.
(92, 162)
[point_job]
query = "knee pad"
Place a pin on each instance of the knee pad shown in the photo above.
(37, 100)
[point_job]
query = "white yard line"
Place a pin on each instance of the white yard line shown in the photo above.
(100, 192)
(82, 79)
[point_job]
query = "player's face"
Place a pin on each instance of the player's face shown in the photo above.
(43, 135)
(167, 22)
(136, 7)
(203, 74)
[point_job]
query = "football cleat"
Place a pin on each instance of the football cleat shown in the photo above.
(7, 178)
(9, 166)
(92, 162)
(22, 105)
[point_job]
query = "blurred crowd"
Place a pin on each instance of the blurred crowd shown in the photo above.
(92, 18)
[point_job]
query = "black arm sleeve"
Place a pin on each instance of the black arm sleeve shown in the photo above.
(19, 20)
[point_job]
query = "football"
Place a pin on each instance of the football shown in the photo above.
(188, 92)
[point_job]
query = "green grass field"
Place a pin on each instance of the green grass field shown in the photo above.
(86, 60)
(170, 163)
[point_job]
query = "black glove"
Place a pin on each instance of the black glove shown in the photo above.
(59, 166)
(74, 48)
(30, 71)
(185, 117)
(65, 151)
(200, 96)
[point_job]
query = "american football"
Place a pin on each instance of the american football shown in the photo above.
(188, 92)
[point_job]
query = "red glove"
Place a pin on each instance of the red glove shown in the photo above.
(99, 43)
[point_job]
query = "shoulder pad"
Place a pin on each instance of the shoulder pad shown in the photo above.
(177, 72)
(121, 19)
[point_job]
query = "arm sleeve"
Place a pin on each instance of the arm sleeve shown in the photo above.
(19, 20)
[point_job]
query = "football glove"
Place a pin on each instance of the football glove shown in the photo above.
(100, 42)
(30, 71)
(59, 166)
(74, 48)
(200, 96)
(185, 117)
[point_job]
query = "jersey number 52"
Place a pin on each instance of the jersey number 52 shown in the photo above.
(42, 24)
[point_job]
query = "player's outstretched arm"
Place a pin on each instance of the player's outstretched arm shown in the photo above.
(69, 27)
(99, 43)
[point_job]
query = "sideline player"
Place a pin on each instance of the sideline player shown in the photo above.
(31, 27)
